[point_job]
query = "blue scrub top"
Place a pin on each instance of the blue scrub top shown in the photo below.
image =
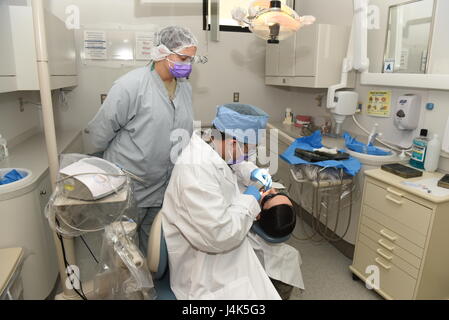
(134, 125)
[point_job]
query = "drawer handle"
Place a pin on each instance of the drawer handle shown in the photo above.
(384, 255)
(383, 244)
(386, 235)
(394, 200)
(383, 265)
(395, 192)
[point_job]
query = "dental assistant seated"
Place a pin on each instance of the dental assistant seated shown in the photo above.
(142, 109)
(206, 221)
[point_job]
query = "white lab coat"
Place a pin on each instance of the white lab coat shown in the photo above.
(281, 261)
(206, 220)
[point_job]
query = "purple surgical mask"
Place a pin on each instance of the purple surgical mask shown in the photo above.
(180, 70)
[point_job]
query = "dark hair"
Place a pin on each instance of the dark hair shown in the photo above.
(278, 221)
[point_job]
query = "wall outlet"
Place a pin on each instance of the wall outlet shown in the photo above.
(236, 97)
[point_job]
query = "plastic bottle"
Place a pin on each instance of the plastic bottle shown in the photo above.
(433, 154)
(288, 116)
(419, 150)
(3, 149)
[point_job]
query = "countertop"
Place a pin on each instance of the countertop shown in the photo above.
(32, 155)
(9, 260)
(397, 182)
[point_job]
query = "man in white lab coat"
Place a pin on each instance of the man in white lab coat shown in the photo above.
(206, 222)
(281, 261)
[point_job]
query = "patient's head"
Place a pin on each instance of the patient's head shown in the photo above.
(277, 218)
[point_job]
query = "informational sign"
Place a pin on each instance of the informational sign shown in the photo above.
(95, 45)
(379, 103)
(389, 65)
(144, 43)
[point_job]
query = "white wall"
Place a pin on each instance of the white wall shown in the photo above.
(434, 120)
(13, 122)
(236, 64)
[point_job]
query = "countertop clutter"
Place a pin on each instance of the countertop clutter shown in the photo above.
(292, 132)
(415, 186)
(32, 155)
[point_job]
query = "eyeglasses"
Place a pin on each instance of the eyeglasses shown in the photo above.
(193, 59)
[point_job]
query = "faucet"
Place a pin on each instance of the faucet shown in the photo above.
(374, 134)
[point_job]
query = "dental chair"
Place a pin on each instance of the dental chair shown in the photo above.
(158, 261)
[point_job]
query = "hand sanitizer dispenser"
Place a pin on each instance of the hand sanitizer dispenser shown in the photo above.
(407, 112)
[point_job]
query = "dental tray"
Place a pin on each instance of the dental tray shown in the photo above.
(402, 171)
(317, 156)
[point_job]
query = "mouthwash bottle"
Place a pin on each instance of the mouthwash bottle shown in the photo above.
(419, 150)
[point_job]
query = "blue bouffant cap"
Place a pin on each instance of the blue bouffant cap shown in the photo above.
(241, 121)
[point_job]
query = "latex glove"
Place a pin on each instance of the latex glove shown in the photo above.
(262, 176)
(252, 191)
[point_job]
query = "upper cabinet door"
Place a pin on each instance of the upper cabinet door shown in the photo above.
(306, 51)
(272, 60)
(61, 47)
(7, 64)
(287, 57)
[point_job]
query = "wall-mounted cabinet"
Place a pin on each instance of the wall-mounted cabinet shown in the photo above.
(311, 59)
(18, 67)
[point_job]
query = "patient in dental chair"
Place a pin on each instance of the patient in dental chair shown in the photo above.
(277, 219)
(276, 223)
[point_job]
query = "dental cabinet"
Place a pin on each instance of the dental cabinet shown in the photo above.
(403, 234)
(311, 59)
(18, 67)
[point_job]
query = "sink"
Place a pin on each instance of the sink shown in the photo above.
(18, 184)
(372, 160)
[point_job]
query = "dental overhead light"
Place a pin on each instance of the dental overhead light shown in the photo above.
(271, 20)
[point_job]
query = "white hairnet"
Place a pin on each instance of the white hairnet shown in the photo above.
(172, 39)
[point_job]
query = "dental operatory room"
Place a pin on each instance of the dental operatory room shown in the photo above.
(224, 150)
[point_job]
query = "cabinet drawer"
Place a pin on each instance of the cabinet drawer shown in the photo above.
(394, 205)
(389, 256)
(396, 227)
(405, 249)
(394, 282)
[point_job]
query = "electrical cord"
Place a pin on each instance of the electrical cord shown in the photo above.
(316, 210)
(88, 248)
(80, 294)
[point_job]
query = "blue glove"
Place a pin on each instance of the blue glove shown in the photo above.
(252, 191)
(262, 176)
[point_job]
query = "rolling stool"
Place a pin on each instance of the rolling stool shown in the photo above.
(158, 261)
(11, 287)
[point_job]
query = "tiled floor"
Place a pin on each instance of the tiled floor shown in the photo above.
(326, 273)
(324, 268)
